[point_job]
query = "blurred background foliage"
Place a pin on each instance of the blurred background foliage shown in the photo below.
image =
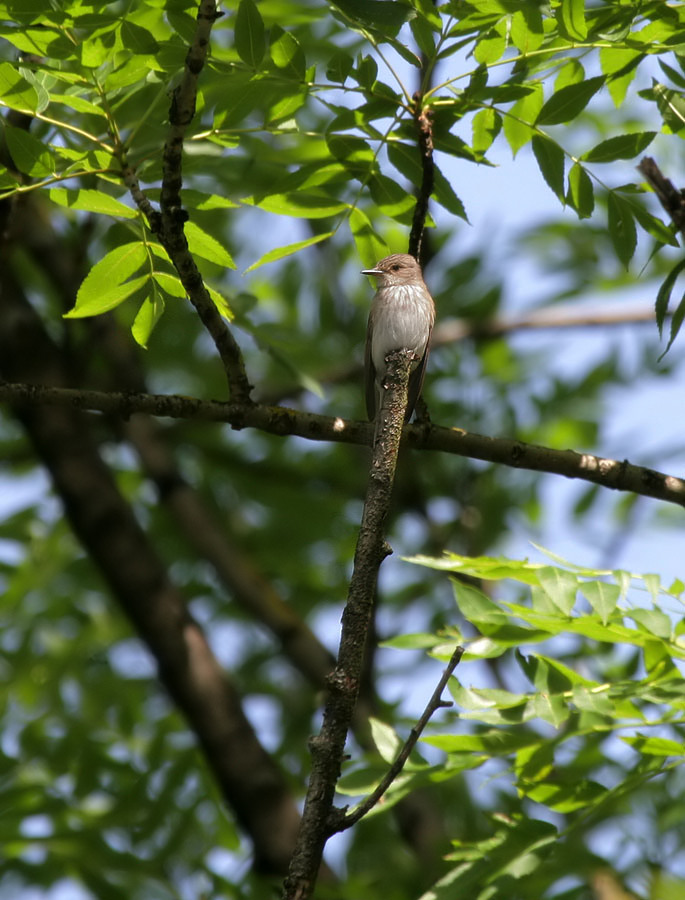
(304, 135)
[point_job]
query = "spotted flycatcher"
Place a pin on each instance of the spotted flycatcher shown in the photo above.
(402, 317)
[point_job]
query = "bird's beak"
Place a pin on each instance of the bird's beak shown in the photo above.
(371, 272)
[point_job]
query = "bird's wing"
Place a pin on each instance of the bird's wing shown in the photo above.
(416, 379)
(369, 376)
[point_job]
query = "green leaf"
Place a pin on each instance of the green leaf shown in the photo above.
(477, 608)
(550, 159)
(485, 127)
(490, 48)
(658, 230)
(91, 201)
(390, 198)
(250, 41)
(422, 31)
(664, 294)
(199, 200)
(603, 597)
(385, 739)
(655, 746)
(170, 284)
(339, 66)
(370, 245)
(580, 192)
(202, 244)
(299, 203)
(138, 39)
(105, 286)
(567, 103)
(147, 317)
(619, 64)
(526, 31)
(652, 620)
(518, 128)
(15, 91)
(30, 156)
(622, 229)
(560, 586)
(571, 18)
(446, 197)
(287, 54)
(676, 324)
(623, 146)
(287, 250)
(671, 105)
(221, 303)
(570, 73)
(567, 798)
(383, 15)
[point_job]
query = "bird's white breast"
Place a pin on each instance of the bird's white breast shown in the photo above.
(402, 321)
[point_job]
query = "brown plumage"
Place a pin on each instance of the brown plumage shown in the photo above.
(402, 316)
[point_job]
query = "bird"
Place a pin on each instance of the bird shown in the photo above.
(402, 317)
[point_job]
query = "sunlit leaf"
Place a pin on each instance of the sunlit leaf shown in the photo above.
(580, 191)
(106, 285)
(206, 246)
(571, 17)
(91, 201)
(288, 250)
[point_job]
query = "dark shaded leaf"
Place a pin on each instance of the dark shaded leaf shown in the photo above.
(663, 296)
(623, 146)
(565, 104)
(621, 227)
(550, 159)
(381, 15)
(250, 41)
(339, 66)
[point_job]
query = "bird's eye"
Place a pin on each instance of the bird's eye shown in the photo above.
(396, 267)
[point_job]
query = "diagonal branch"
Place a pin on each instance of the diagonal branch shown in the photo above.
(104, 522)
(433, 704)
(609, 473)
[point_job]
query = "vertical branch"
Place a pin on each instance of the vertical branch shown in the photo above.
(169, 225)
(327, 747)
(425, 133)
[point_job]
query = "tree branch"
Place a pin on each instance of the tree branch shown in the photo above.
(450, 330)
(425, 131)
(169, 225)
(434, 703)
(343, 683)
(252, 784)
(281, 421)
(672, 200)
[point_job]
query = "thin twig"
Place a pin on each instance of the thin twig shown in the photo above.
(435, 702)
(609, 473)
